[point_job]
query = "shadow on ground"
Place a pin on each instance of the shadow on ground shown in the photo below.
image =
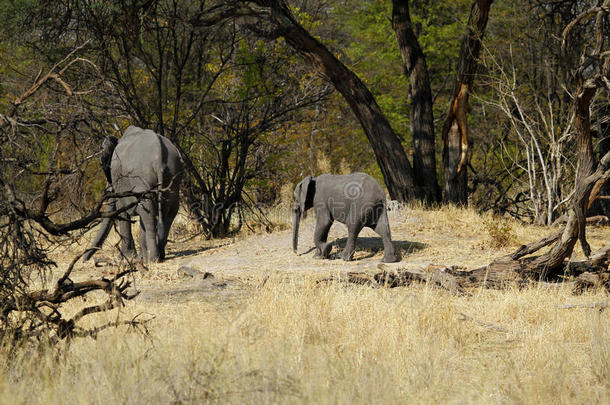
(374, 245)
(192, 251)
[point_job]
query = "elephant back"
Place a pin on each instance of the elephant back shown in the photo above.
(143, 159)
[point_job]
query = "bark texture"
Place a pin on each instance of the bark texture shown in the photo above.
(420, 96)
(455, 128)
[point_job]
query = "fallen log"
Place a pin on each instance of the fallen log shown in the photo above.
(582, 275)
(512, 269)
(436, 275)
(498, 274)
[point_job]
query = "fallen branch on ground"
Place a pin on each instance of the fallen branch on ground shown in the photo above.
(44, 307)
(594, 220)
(505, 271)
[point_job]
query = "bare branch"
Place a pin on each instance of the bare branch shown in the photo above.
(52, 74)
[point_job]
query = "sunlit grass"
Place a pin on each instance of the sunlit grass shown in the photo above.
(293, 339)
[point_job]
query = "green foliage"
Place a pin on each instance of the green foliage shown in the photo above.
(158, 71)
(373, 53)
(12, 14)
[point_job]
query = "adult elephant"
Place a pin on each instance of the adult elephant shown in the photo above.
(356, 200)
(141, 161)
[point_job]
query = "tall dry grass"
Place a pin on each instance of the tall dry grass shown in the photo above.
(292, 339)
(297, 341)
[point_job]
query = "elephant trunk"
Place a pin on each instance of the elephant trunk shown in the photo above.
(108, 147)
(101, 235)
(99, 239)
(295, 230)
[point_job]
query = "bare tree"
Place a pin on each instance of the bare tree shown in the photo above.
(543, 128)
(590, 74)
(233, 145)
(42, 175)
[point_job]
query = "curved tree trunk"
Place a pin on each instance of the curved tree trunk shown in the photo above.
(455, 128)
(420, 94)
(389, 153)
(398, 174)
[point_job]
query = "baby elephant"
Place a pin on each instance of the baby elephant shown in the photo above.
(356, 200)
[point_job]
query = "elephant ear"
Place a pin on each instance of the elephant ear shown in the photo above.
(306, 194)
(108, 146)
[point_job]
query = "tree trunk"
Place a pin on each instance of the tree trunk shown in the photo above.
(455, 128)
(420, 94)
(602, 189)
(389, 153)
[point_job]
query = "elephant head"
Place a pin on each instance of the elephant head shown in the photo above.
(303, 200)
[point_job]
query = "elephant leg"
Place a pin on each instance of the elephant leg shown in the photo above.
(350, 246)
(323, 224)
(128, 248)
(383, 229)
(148, 227)
(169, 210)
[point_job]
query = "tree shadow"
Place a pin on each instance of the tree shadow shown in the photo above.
(175, 254)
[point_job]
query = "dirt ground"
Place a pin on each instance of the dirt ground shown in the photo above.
(197, 268)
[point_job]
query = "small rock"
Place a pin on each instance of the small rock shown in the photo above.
(187, 271)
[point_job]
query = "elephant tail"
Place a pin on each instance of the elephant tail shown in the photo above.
(108, 147)
(99, 239)
(161, 177)
(295, 230)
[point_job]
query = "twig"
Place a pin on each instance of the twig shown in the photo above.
(595, 305)
(39, 81)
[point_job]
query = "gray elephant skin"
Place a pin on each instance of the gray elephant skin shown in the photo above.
(356, 200)
(141, 161)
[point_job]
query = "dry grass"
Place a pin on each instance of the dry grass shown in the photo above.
(293, 340)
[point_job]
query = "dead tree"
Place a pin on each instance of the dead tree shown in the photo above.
(35, 179)
(590, 75)
(39, 314)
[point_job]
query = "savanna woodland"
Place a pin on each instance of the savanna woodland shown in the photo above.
(486, 121)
